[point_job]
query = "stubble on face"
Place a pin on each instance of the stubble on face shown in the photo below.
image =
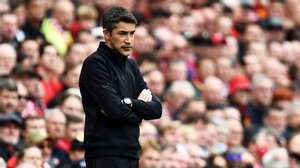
(121, 38)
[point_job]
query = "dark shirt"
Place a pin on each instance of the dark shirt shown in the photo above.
(256, 113)
(111, 127)
(32, 32)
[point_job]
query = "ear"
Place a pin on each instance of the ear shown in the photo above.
(107, 34)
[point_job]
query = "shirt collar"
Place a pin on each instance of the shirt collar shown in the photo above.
(113, 54)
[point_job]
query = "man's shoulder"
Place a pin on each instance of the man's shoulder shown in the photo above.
(96, 56)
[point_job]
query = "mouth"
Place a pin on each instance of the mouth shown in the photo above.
(127, 48)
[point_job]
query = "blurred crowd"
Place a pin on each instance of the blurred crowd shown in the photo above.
(227, 73)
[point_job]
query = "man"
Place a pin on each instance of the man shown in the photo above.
(114, 96)
(8, 59)
(9, 30)
(10, 131)
(55, 29)
(35, 14)
(9, 101)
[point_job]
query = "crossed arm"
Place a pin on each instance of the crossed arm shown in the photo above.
(96, 82)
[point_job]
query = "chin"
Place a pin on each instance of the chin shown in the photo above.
(126, 54)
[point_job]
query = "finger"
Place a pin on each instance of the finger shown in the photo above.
(142, 94)
(149, 97)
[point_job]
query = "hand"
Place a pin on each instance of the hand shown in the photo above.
(145, 95)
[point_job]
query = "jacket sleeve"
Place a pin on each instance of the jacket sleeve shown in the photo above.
(147, 110)
(96, 82)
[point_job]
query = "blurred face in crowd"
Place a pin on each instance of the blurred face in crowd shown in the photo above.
(194, 108)
(224, 69)
(10, 133)
(277, 9)
(257, 48)
(121, 38)
(230, 49)
(46, 147)
(173, 159)
(195, 160)
(4, 7)
(148, 132)
(36, 10)
(156, 82)
(35, 124)
(8, 58)
(75, 130)
(177, 71)
(206, 67)
(20, 12)
(56, 124)
(171, 136)
(72, 106)
(31, 49)
(277, 71)
(76, 55)
(51, 61)
(231, 113)
(276, 50)
(64, 13)
(224, 25)
(33, 155)
(296, 14)
(263, 92)
(33, 86)
(144, 40)
(213, 91)
(8, 27)
(72, 76)
(253, 65)
(241, 97)
(9, 101)
(86, 38)
(150, 159)
(294, 151)
(254, 33)
(294, 117)
(104, 4)
(179, 92)
(236, 133)
(277, 120)
(209, 15)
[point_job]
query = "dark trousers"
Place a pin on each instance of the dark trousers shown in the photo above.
(112, 162)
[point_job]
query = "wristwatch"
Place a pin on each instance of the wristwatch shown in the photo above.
(127, 101)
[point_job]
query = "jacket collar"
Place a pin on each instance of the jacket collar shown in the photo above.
(112, 54)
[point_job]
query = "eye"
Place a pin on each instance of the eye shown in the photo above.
(122, 33)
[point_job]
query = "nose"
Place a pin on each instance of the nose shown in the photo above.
(128, 39)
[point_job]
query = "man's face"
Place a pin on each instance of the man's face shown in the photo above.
(56, 127)
(8, 101)
(72, 107)
(36, 10)
(10, 133)
(7, 60)
(9, 26)
(150, 159)
(263, 93)
(74, 130)
(36, 124)
(31, 49)
(121, 38)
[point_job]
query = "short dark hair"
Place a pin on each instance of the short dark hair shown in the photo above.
(8, 84)
(115, 15)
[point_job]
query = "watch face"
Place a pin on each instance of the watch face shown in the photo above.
(127, 101)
